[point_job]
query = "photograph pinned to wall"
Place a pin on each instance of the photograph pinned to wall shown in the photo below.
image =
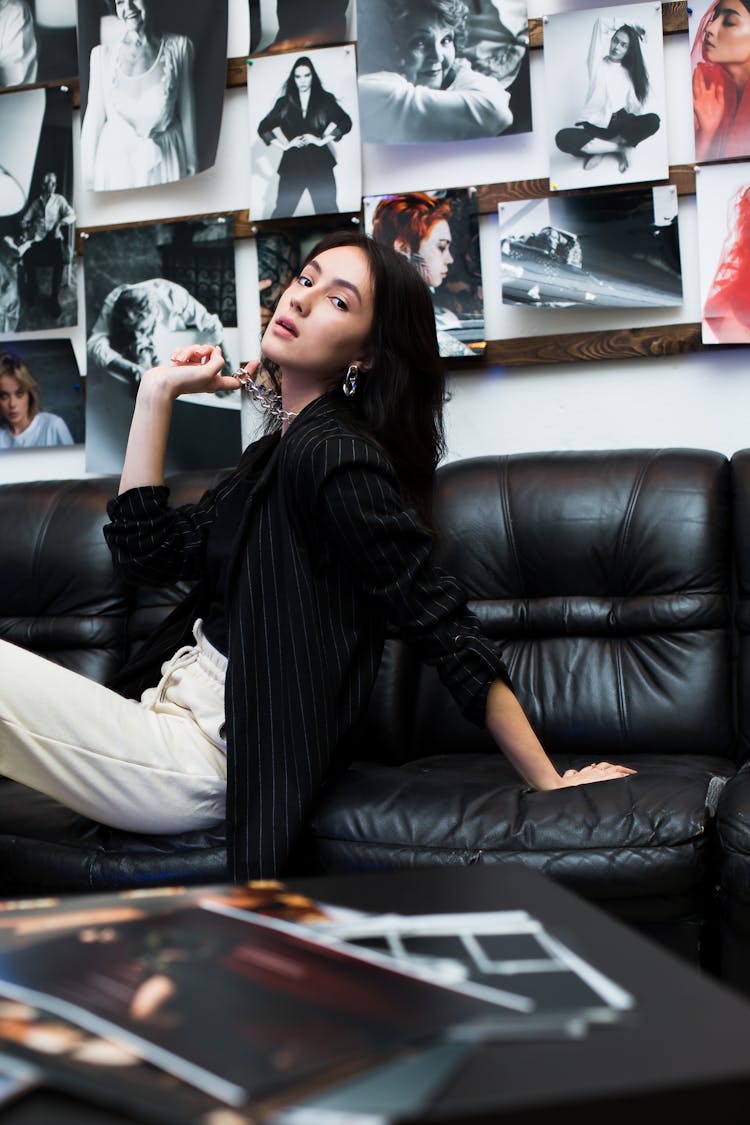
(37, 42)
(719, 52)
(723, 198)
(439, 232)
(149, 290)
(149, 114)
(442, 70)
(607, 250)
(41, 394)
(37, 222)
(604, 75)
(304, 134)
(294, 25)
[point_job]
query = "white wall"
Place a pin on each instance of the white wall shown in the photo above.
(700, 399)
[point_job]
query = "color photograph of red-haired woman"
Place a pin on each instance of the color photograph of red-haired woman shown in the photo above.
(723, 196)
(438, 232)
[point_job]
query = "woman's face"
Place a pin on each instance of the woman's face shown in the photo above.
(727, 37)
(430, 53)
(133, 13)
(322, 321)
(618, 46)
(303, 78)
(435, 252)
(15, 404)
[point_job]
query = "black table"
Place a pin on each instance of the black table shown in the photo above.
(684, 1054)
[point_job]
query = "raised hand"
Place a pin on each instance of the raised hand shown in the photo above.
(195, 369)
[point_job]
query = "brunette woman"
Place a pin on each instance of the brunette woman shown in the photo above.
(612, 119)
(301, 558)
(721, 92)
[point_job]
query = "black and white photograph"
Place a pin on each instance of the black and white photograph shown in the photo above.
(604, 75)
(149, 290)
(41, 395)
(439, 232)
(37, 220)
(442, 70)
(37, 42)
(607, 250)
(723, 197)
(281, 254)
(304, 134)
(149, 114)
(293, 25)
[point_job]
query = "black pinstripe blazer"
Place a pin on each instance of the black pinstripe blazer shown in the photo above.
(325, 559)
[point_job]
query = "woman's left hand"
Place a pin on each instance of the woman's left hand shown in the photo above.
(597, 771)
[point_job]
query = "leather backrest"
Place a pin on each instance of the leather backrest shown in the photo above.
(58, 595)
(740, 470)
(605, 578)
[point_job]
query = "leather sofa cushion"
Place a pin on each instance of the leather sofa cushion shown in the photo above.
(44, 847)
(645, 836)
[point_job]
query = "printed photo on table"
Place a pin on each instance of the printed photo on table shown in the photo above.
(304, 134)
(442, 70)
(149, 114)
(293, 25)
(150, 290)
(604, 78)
(603, 250)
(41, 395)
(723, 197)
(37, 221)
(37, 42)
(439, 232)
(720, 58)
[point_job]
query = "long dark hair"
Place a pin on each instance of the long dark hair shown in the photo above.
(634, 62)
(399, 399)
(316, 86)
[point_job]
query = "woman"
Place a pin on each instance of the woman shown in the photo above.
(613, 121)
(721, 95)
(18, 47)
(139, 124)
(304, 123)
(417, 225)
(23, 423)
(727, 308)
(419, 87)
(302, 557)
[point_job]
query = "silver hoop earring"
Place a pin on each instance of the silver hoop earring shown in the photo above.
(350, 380)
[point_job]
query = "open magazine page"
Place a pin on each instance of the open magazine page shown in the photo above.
(489, 953)
(243, 1008)
(186, 999)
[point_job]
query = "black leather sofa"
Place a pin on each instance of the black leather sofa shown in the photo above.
(606, 577)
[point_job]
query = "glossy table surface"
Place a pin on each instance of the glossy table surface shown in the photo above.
(684, 1052)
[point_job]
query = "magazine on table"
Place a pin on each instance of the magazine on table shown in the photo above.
(261, 999)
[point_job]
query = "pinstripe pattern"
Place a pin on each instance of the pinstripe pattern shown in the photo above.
(325, 561)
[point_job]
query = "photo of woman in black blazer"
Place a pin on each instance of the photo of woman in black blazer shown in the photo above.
(305, 123)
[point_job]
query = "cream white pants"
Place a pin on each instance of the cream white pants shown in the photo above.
(157, 765)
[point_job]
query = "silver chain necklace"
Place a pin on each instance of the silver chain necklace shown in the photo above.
(265, 397)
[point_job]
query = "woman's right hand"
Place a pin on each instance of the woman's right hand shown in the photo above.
(195, 369)
(597, 771)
